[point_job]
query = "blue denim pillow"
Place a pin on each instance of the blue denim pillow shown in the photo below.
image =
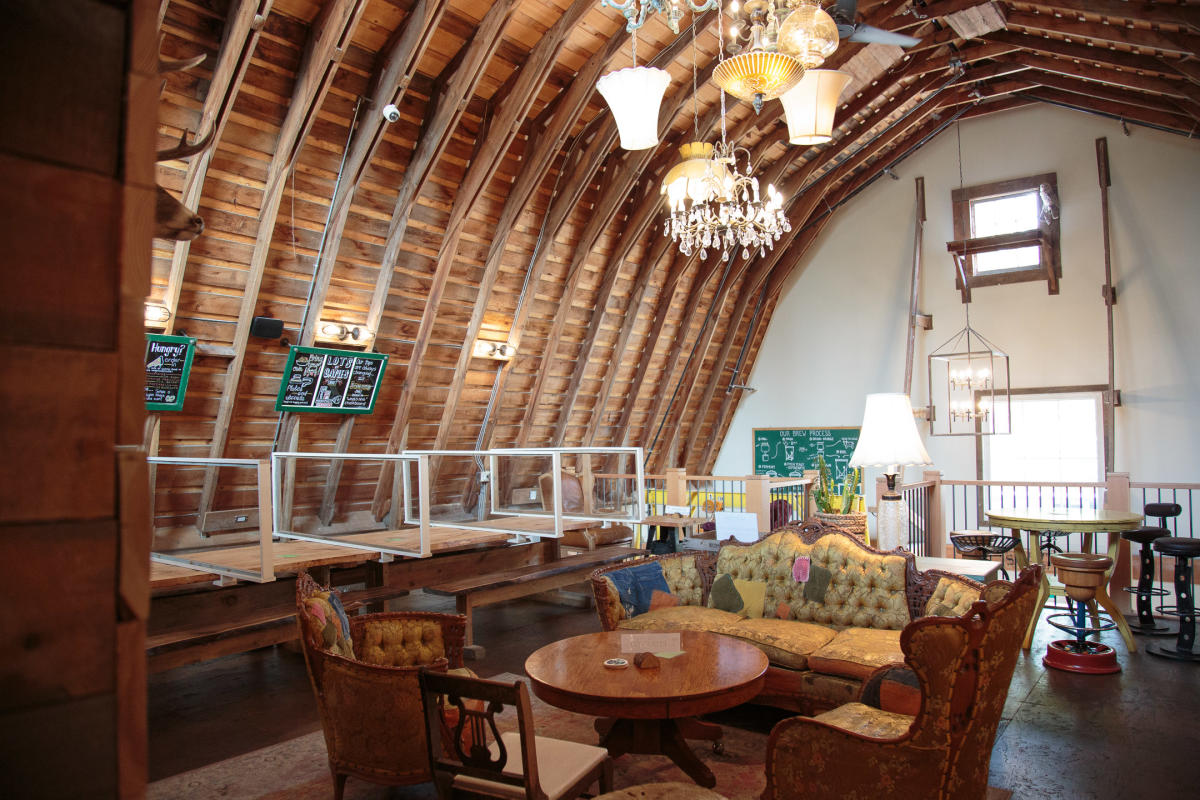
(635, 585)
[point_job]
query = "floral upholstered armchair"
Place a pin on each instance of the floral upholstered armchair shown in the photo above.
(960, 668)
(364, 673)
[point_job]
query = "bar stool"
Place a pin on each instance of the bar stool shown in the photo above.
(1183, 550)
(1145, 589)
(982, 545)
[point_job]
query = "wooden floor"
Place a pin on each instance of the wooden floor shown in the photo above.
(1129, 735)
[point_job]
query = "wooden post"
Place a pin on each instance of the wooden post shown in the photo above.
(934, 519)
(810, 504)
(758, 500)
(1116, 498)
(915, 285)
(266, 522)
(677, 494)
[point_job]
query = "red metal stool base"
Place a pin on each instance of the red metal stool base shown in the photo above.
(1092, 658)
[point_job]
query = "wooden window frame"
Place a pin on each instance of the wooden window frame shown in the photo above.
(1046, 236)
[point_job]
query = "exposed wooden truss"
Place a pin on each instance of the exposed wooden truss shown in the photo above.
(500, 207)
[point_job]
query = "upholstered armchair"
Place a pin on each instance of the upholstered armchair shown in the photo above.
(962, 668)
(364, 674)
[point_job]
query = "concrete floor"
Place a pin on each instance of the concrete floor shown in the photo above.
(1130, 735)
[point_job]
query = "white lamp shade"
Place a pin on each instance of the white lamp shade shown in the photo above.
(811, 104)
(889, 434)
(634, 95)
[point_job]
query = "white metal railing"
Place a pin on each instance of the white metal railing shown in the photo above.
(266, 505)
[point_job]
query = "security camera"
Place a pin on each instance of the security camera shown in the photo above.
(391, 113)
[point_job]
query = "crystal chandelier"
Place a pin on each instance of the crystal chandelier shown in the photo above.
(756, 71)
(636, 11)
(734, 215)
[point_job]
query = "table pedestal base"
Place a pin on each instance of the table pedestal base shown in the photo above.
(667, 737)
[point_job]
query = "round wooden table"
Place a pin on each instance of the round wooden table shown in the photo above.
(1087, 521)
(650, 710)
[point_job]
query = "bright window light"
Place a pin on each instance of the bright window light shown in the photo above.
(1055, 438)
(1008, 214)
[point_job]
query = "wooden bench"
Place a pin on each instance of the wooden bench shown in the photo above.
(481, 590)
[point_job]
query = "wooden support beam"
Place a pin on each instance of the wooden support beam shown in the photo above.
(1084, 54)
(243, 25)
(1110, 77)
(1155, 14)
(331, 34)
(1097, 32)
(914, 282)
(1123, 111)
(1089, 88)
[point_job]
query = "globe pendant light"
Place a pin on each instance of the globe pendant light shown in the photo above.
(697, 178)
(634, 95)
(808, 33)
(810, 105)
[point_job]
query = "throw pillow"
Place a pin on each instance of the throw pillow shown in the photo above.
(326, 625)
(942, 610)
(753, 594)
(661, 599)
(783, 611)
(636, 585)
(817, 584)
(800, 568)
(724, 595)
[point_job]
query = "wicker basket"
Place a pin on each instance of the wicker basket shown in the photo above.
(853, 522)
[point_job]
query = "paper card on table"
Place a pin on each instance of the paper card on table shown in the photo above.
(681, 510)
(741, 525)
(649, 642)
(671, 654)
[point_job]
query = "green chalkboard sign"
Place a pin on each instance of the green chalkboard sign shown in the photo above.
(168, 365)
(330, 381)
(790, 451)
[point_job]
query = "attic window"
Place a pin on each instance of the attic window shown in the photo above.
(1008, 232)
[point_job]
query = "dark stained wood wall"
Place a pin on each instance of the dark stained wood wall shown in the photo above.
(78, 93)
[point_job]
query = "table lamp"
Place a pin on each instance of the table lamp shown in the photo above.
(889, 439)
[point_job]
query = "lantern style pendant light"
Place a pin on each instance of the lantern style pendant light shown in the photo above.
(808, 33)
(811, 104)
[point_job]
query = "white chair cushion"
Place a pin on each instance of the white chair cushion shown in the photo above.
(560, 764)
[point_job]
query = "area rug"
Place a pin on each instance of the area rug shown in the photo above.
(298, 769)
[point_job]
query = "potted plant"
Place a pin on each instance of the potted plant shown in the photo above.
(844, 508)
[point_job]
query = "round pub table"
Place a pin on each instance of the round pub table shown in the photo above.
(653, 710)
(1087, 521)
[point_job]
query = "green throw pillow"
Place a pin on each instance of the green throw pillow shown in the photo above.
(724, 595)
(817, 584)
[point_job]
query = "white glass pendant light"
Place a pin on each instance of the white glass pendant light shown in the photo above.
(634, 94)
(811, 104)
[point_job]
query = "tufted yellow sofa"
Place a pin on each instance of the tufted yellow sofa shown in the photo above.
(821, 646)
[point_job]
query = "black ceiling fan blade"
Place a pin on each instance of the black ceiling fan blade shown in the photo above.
(866, 33)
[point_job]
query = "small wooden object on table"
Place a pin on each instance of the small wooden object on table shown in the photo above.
(650, 710)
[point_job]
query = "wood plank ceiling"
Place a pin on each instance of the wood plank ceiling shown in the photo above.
(500, 207)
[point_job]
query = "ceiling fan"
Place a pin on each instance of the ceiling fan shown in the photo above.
(844, 13)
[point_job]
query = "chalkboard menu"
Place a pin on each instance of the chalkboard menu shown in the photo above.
(790, 451)
(168, 364)
(330, 381)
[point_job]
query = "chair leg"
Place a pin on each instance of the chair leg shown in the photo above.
(339, 784)
(606, 776)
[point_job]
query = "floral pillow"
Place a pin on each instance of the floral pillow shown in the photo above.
(325, 623)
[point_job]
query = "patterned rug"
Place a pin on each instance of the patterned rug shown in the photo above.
(298, 770)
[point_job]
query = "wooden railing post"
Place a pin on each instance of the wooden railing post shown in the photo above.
(676, 480)
(1116, 498)
(758, 500)
(934, 521)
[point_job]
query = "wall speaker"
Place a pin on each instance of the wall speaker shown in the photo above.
(266, 327)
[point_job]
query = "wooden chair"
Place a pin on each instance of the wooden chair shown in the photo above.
(371, 713)
(962, 666)
(474, 757)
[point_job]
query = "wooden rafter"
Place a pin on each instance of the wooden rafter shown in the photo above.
(330, 34)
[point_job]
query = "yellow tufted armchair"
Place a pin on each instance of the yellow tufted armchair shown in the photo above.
(364, 674)
(963, 666)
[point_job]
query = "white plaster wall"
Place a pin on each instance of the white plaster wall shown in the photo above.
(839, 330)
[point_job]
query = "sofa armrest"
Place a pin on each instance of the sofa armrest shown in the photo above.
(808, 759)
(894, 688)
(608, 603)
